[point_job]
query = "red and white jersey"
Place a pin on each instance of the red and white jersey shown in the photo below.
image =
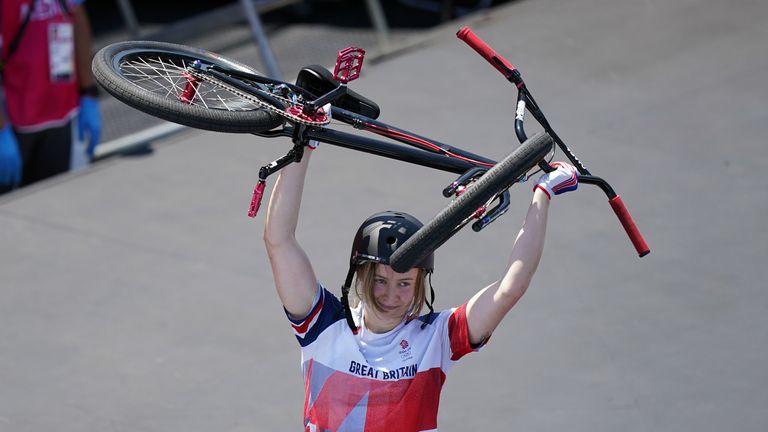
(367, 381)
(35, 98)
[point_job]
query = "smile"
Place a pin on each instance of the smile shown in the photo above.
(389, 308)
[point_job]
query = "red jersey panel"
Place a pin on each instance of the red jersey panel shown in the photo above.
(39, 79)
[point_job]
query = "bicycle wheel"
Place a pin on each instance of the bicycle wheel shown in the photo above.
(505, 173)
(153, 77)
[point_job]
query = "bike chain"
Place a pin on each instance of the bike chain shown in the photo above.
(291, 117)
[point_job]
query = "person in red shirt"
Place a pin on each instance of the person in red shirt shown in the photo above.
(51, 121)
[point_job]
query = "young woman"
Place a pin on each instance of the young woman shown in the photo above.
(380, 365)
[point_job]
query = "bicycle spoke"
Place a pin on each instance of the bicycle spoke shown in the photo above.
(137, 67)
(168, 75)
(168, 78)
(198, 91)
(165, 76)
(224, 103)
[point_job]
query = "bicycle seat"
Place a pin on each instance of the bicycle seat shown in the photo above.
(318, 81)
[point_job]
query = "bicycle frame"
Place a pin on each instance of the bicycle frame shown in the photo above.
(421, 150)
(416, 153)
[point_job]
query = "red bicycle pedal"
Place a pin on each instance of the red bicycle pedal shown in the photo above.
(258, 193)
(349, 62)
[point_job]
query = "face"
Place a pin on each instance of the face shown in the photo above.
(394, 293)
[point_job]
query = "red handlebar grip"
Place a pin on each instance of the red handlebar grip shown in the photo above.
(506, 68)
(629, 226)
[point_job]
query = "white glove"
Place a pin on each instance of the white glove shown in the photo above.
(564, 178)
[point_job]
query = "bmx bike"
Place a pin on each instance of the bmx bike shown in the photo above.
(203, 90)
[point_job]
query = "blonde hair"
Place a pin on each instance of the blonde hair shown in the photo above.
(364, 280)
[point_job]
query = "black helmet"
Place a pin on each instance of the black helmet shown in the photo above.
(375, 241)
(381, 234)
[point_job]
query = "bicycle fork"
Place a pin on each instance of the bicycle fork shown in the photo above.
(483, 215)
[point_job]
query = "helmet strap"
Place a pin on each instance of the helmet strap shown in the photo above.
(345, 299)
(429, 302)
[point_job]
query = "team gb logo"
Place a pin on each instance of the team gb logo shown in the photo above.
(405, 352)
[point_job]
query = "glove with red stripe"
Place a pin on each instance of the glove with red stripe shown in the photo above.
(564, 178)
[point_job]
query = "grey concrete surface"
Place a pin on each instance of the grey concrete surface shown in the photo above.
(136, 295)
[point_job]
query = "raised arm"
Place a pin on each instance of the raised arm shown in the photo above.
(294, 278)
(487, 308)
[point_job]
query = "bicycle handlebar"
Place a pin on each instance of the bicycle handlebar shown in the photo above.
(513, 75)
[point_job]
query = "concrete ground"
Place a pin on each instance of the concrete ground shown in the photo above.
(136, 295)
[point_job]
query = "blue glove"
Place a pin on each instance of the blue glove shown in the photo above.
(89, 122)
(564, 178)
(10, 159)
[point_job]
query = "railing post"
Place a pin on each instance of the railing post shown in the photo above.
(379, 20)
(273, 70)
(129, 17)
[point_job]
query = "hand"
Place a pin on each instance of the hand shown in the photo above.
(10, 159)
(564, 178)
(89, 122)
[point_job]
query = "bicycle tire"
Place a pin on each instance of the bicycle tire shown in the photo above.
(149, 76)
(443, 226)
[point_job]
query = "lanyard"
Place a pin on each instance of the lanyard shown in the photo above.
(20, 32)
